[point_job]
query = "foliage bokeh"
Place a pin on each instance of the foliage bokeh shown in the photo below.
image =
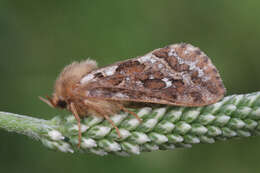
(38, 38)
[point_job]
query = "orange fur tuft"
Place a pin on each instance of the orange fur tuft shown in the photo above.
(70, 77)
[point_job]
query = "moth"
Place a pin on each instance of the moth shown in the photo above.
(177, 75)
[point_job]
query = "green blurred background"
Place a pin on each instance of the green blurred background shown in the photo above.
(38, 38)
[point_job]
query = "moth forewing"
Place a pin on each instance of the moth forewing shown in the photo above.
(179, 74)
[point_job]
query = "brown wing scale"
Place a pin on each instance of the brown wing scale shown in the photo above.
(179, 74)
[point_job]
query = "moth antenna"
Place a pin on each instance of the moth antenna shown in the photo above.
(48, 101)
(76, 115)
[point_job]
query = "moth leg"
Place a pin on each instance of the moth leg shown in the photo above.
(104, 115)
(113, 124)
(76, 115)
(130, 112)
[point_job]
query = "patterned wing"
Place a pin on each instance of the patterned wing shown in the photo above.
(178, 74)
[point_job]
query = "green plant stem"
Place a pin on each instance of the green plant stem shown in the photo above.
(162, 128)
(33, 127)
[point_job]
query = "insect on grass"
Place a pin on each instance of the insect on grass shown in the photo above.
(178, 75)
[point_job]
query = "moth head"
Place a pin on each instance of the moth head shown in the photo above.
(70, 77)
(67, 81)
(55, 102)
